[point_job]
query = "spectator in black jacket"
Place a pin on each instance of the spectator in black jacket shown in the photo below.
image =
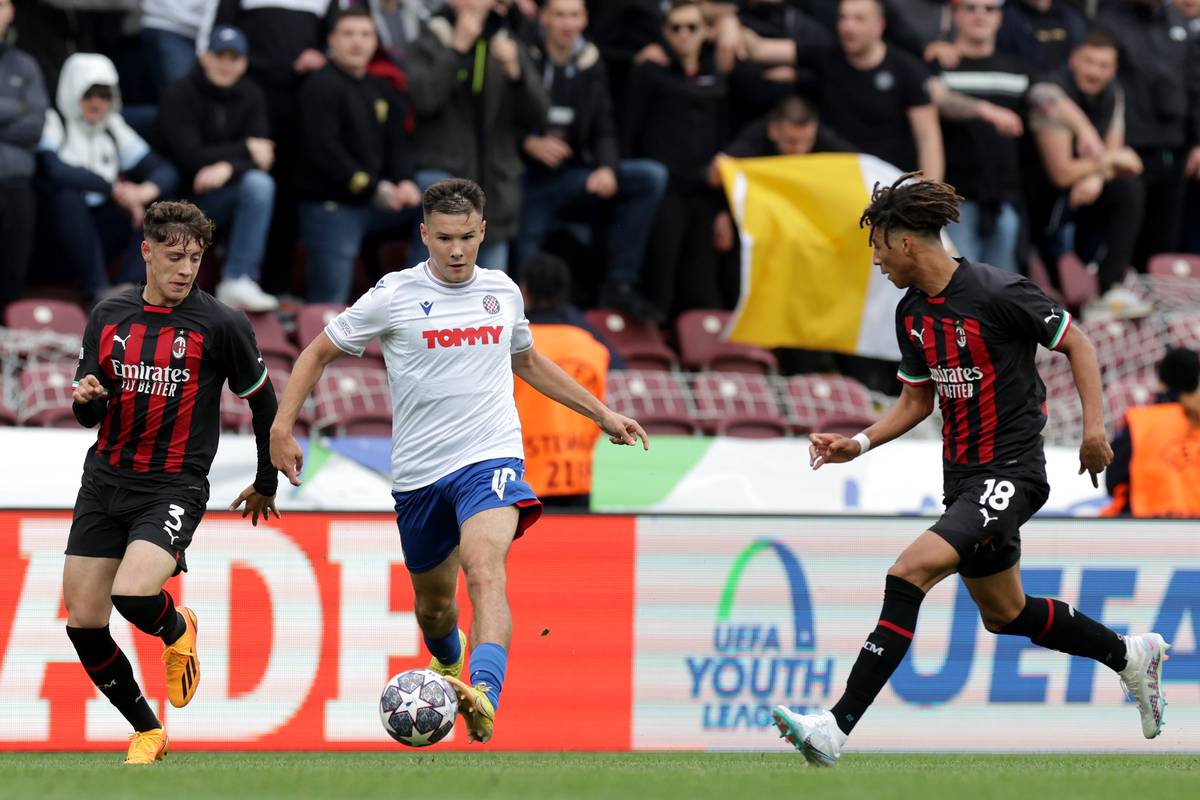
(23, 105)
(675, 115)
(357, 174)
(1041, 32)
(96, 178)
(1160, 72)
(575, 164)
(213, 125)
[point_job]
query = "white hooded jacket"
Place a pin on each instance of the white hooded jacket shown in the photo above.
(107, 148)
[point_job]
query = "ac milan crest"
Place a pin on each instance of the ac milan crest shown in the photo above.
(179, 347)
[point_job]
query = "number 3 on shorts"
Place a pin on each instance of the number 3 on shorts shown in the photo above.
(997, 493)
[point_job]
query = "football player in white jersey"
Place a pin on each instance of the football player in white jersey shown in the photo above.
(453, 335)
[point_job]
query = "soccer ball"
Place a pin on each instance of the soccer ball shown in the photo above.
(417, 707)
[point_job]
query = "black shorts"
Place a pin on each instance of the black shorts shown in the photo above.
(983, 520)
(108, 517)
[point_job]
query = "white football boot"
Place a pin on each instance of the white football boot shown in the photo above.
(816, 736)
(1142, 679)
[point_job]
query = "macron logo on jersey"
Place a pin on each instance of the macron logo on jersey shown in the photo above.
(457, 337)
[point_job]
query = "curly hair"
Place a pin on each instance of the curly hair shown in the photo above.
(923, 207)
(176, 222)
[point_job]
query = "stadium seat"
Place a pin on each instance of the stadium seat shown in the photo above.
(720, 396)
(45, 395)
(1181, 265)
(844, 424)
(236, 416)
(1041, 276)
(752, 427)
(1124, 394)
(1079, 285)
(812, 398)
(311, 321)
(669, 426)
(1123, 347)
(278, 352)
(353, 401)
(46, 315)
(699, 335)
(1183, 330)
(8, 416)
(649, 394)
(639, 343)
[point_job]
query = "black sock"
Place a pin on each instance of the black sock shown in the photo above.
(1055, 625)
(152, 614)
(109, 669)
(882, 652)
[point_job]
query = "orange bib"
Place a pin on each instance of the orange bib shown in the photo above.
(1164, 474)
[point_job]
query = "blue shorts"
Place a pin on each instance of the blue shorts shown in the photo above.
(430, 518)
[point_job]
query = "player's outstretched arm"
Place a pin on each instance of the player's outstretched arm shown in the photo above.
(914, 404)
(286, 454)
(1094, 451)
(548, 378)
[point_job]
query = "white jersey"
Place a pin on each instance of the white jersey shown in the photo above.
(448, 350)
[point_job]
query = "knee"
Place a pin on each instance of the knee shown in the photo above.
(87, 612)
(431, 609)
(484, 576)
(914, 572)
(258, 187)
(997, 619)
(644, 177)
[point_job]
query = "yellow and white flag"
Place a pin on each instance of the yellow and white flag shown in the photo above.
(807, 276)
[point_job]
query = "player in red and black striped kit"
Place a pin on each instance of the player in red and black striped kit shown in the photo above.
(968, 333)
(151, 369)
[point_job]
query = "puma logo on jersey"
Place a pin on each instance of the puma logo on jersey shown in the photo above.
(1053, 315)
(919, 335)
(457, 337)
(987, 517)
(119, 340)
(110, 685)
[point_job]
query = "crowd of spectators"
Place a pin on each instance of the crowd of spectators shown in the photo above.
(308, 128)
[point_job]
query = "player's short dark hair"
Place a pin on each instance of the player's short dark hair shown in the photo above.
(1179, 370)
(454, 196)
(173, 222)
(351, 13)
(547, 280)
(923, 207)
(1098, 37)
(678, 4)
(794, 109)
(880, 5)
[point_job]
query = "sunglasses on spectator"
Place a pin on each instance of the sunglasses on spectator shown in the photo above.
(98, 92)
(990, 8)
(680, 27)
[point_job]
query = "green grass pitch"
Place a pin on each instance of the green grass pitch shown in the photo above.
(625, 776)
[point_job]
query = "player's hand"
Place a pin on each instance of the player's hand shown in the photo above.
(549, 150)
(287, 456)
(623, 430)
(256, 505)
(89, 389)
(602, 183)
(308, 61)
(831, 448)
(212, 177)
(262, 152)
(1094, 455)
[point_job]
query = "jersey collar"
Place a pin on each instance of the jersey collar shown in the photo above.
(436, 281)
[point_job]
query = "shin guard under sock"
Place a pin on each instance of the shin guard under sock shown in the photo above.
(152, 614)
(881, 653)
(110, 670)
(448, 649)
(1055, 625)
(489, 662)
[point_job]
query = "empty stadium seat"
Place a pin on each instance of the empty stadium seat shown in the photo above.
(752, 427)
(1041, 276)
(1181, 265)
(353, 401)
(312, 319)
(727, 395)
(277, 350)
(844, 424)
(1079, 285)
(46, 315)
(812, 398)
(236, 416)
(45, 395)
(1124, 347)
(1183, 330)
(701, 346)
(669, 426)
(649, 393)
(639, 343)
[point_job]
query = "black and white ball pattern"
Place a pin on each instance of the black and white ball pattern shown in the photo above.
(417, 707)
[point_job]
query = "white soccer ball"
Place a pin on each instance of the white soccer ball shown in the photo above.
(417, 707)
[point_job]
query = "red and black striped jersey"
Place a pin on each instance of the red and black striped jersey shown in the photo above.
(164, 368)
(975, 341)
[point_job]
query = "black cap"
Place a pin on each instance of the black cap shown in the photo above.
(1180, 370)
